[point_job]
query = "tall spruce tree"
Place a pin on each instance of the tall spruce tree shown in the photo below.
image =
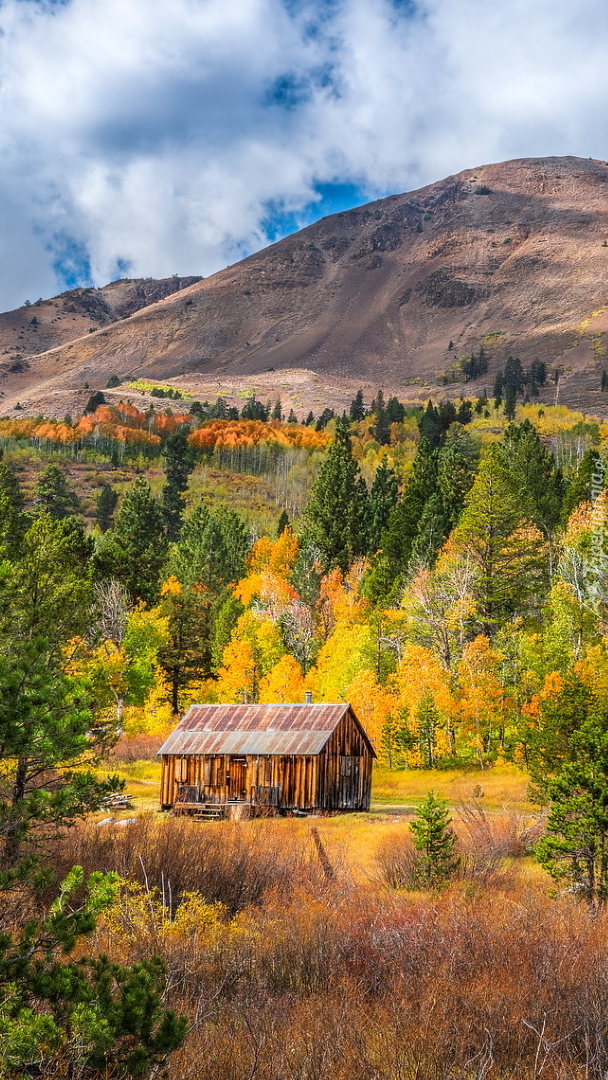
(535, 478)
(335, 517)
(134, 552)
(53, 493)
(404, 520)
(568, 759)
(178, 458)
(382, 498)
(46, 734)
(508, 567)
(579, 488)
(105, 507)
(13, 521)
(357, 408)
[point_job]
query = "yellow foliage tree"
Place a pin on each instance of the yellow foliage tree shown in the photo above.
(349, 650)
(372, 703)
(422, 690)
(254, 648)
(269, 566)
(484, 703)
(284, 682)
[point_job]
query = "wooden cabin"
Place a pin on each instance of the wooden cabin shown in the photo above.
(300, 757)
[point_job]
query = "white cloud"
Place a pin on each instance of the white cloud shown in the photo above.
(155, 134)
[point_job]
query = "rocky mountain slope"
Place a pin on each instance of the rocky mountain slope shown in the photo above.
(513, 255)
(36, 328)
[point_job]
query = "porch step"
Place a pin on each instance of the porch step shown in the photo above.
(200, 811)
(208, 813)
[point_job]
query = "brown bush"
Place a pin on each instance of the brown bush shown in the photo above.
(325, 979)
(230, 862)
(136, 748)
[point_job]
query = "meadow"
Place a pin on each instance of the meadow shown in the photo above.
(286, 970)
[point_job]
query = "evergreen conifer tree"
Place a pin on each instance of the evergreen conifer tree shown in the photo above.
(435, 843)
(179, 462)
(81, 1016)
(568, 758)
(335, 517)
(357, 408)
(579, 489)
(507, 568)
(105, 507)
(45, 723)
(282, 523)
(134, 552)
(535, 478)
(53, 493)
(383, 497)
(13, 521)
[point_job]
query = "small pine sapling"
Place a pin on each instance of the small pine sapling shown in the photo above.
(434, 841)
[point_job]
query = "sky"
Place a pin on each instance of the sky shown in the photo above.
(143, 138)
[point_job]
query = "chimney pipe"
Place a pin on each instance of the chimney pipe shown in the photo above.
(308, 697)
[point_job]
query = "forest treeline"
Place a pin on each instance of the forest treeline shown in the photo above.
(451, 597)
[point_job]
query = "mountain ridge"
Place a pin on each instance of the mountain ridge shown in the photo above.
(513, 254)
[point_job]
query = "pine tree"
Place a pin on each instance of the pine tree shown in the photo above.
(178, 460)
(604, 382)
(105, 507)
(187, 652)
(134, 552)
(427, 722)
(357, 408)
(404, 521)
(455, 463)
(46, 734)
(569, 763)
(430, 425)
(13, 522)
(323, 421)
(382, 427)
(535, 478)
(508, 567)
(95, 400)
(435, 842)
(53, 493)
(383, 497)
(510, 403)
(579, 489)
(85, 1016)
(282, 523)
(277, 412)
(335, 516)
(211, 550)
(292, 418)
(395, 411)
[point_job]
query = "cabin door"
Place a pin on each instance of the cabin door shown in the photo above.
(349, 781)
(237, 788)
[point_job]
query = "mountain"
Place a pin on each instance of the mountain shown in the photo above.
(513, 255)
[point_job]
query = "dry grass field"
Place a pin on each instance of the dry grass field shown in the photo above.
(498, 795)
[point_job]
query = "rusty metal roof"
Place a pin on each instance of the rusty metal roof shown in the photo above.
(255, 729)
